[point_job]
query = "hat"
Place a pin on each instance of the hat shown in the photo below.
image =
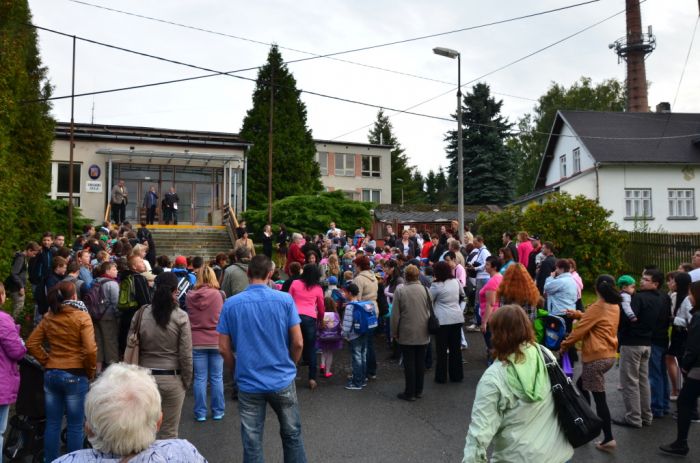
(534, 237)
(625, 280)
(332, 280)
(181, 261)
(104, 238)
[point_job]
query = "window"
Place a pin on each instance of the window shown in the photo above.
(638, 203)
(577, 160)
(322, 159)
(59, 181)
(370, 166)
(371, 196)
(681, 203)
(345, 164)
(562, 165)
(349, 194)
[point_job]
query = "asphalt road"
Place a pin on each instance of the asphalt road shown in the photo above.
(372, 425)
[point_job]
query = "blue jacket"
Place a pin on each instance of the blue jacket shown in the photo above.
(150, 200)
(561, 293)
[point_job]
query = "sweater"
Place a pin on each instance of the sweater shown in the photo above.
(11, 351)
(367, 282)
(409, 314)
(597, 329)
(309, 301)
(204, 307)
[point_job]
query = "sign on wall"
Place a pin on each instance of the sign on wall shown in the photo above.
(94, 172)
(92, 186)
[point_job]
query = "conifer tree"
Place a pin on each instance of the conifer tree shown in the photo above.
(294, 167)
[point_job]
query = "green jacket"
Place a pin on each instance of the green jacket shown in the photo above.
(514, 411)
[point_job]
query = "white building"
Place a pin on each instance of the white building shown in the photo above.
(361, 170)
(644, 167)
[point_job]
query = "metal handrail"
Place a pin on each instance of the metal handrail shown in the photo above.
(108, 210)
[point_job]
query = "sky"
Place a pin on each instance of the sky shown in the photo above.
(328, 26)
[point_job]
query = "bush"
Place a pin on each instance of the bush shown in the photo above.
(313, 213)
(577, 226)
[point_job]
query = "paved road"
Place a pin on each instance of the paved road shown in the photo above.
(372, 425)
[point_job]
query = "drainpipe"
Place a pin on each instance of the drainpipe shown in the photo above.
(597, 183)
(245, 181)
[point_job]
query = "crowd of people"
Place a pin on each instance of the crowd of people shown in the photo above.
(422, 290)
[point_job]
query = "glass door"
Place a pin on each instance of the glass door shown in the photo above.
(202, 203)
(132, 203)
(184, 206)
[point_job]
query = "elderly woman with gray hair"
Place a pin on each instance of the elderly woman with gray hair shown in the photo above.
(122, 417)
(295, 254)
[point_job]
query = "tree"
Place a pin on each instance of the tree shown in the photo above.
(609, 95)
(294, 168)
(26, 131)
(488, 164)
(402, 174)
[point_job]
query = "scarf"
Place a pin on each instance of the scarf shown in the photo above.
(75, 304)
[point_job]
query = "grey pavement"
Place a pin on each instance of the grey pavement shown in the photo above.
(372, 425)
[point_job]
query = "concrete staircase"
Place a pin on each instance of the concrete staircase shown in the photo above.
(190, 241)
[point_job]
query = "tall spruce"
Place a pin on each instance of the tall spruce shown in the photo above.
(294, 167)
(26, 131)
(488, 164)
(402, 174)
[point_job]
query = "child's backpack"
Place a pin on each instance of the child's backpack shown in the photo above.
(363, 317)
(554, 332)
(331, 330)
(127, 294)
(94, 300)
(183, 285)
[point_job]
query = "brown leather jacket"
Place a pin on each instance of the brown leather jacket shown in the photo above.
(71, 339)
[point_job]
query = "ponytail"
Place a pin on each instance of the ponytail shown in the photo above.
(605, 286)
(62, 291)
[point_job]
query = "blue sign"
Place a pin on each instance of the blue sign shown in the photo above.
(94, 171)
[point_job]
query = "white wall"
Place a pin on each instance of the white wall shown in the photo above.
(565, 146)
(583, 184)
(614, 180)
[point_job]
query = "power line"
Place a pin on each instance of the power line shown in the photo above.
(335, 54)
(690, 49)
(529, 55)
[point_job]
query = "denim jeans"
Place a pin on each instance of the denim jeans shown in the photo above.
(251, 409)
(208, 367)
(4, 413)
(64, 394)
(658, 382)
(358, 351)
(308, 332)
(371, 355)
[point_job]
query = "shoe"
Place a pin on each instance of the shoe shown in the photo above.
(405, 397)
(200, 419)
(675, 449)
(322, 370)
(674, 398)
(473, 328)
(218, 417)
(313, 384)
(327, 375)
(372, 376)
(609, 446)
(352, 387)
(364, 383)
(625, 423)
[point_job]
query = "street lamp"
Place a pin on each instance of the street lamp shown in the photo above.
(452, 54)
(400, 180)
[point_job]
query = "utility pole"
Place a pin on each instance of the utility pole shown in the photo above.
(269, 146)
(70, 158)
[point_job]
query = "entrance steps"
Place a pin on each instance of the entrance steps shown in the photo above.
(190, 240)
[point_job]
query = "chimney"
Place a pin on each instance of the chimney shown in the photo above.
(663, 108)
(634, 48)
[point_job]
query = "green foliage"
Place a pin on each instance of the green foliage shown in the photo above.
(403, 176)
(26, 131)
(437, 190)
(488, 163)
(313, 213)
(577, 226)
(609, 95)
(294, 168)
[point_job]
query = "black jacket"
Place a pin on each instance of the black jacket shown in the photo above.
(532, 262)
(691, 357)
(40, 266)
(647, 306)
(18, 273)
(548, 265)
(513, 250)
(663, 321)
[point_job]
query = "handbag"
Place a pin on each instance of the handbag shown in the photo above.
(433, 322)
(131, 353)
(578, 421)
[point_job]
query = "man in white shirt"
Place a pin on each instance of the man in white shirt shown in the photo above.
(695, 273)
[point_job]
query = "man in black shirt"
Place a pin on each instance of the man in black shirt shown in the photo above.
(547, 266)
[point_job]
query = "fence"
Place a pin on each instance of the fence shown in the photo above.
(665, 250)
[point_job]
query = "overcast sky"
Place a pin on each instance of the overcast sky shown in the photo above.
(220, 103)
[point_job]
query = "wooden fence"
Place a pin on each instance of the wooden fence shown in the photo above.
(665, 250)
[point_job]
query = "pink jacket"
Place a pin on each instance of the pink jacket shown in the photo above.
(12, 350)
(204, 307)
(309, 302)
(524, 251)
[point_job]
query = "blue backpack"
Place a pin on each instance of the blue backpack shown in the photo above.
(364, 317)
(554, 332)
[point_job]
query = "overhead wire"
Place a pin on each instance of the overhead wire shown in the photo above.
(687, 57)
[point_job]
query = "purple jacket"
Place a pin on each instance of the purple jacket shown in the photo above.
(12, 350)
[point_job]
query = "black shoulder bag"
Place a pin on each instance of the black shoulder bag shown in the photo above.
(579, 423)
(433, 322)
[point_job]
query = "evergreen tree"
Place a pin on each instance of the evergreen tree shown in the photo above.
(442, 188)
(294, 168)
(430, 187)
(383, 133)
(488, 165)
(26, 131)
(529, 145)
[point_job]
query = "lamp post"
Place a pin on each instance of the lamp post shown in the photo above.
(452, 54)
(400, 180)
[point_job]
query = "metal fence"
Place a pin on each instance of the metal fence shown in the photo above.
(665, 250)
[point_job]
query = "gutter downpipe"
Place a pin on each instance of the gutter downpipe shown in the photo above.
(245, 181)
(597, 183)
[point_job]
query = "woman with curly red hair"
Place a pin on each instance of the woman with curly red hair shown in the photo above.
(518, 288)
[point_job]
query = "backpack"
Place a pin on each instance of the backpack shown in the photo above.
(183, 285)
(127, 294)
(94, 300)
(363, 320)
(554, 332)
